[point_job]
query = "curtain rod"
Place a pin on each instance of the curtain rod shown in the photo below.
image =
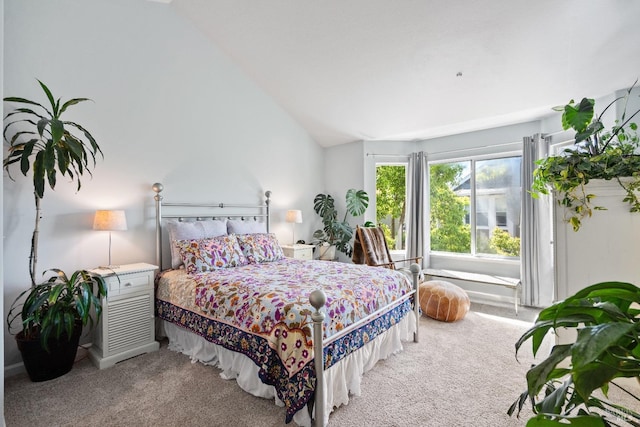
(476, 148)
(447, 151)
(404, 156)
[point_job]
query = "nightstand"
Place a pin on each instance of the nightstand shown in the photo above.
(298, 251)
(127, 326)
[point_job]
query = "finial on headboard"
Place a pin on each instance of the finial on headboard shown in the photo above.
(267, 203)
(157, 187)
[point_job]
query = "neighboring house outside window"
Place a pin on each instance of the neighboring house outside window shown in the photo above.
(475, 206)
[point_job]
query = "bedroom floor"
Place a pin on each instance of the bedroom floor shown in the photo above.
(458, 372)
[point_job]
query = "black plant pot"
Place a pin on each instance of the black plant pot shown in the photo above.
(42, 365)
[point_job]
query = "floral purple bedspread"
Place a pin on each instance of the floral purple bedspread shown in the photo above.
(263, 311)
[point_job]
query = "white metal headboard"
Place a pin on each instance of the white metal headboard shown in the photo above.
(204, 211)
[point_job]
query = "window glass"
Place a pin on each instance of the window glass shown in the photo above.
(391, 203)
(475, 206)
(498, 192)
(449, 187)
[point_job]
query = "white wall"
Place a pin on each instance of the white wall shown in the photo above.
(343, 170)
(2, 422)
(168, 107)
(479, 142)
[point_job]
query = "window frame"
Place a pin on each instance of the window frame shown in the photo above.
(472, 159)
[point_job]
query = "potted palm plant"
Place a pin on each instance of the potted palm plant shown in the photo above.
(53, 313)
(336, 233)
(598, 153)
(52, 317)
(563, 388)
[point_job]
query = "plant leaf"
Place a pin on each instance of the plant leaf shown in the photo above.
(592, 341)
(592, 377)
(71, 102)
(38, 174)
(57, 130)
(42, 125)
(538, 375)
(50, 97)
(541, 420)
(357, 201)
(578, 117)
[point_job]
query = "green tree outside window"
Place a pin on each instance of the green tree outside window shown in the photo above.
(391, 203)
(449, 233)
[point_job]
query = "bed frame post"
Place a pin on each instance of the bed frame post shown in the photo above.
(317, 300)
(267, 203)
(157, 187)
(415, 272)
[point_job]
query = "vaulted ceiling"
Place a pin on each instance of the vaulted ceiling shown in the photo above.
(411, 69)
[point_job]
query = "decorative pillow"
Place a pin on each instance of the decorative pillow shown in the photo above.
(260, 247)
(192, 230)
(219, 252)
(236, 226)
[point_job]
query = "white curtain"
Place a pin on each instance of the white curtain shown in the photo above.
(418, 208)
(536, 232)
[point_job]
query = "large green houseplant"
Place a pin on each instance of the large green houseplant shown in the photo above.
(51, 317)
(597, 153)
(53, 312)
(570, 387)
(335, 231)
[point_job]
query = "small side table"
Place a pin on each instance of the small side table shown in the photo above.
(127, 326)
(298, 251)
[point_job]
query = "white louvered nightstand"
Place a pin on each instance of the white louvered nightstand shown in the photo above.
(127, 327)
(298, 251)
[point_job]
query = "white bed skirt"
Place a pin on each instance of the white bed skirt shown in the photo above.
(341, 380)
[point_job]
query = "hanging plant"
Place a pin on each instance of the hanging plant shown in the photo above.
(597, 153)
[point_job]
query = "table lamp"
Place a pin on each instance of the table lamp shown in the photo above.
(294, 217)
(110, 220)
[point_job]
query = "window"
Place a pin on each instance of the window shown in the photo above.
(391, 184)
(475, 206)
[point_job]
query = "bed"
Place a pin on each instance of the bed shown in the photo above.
(230, 298)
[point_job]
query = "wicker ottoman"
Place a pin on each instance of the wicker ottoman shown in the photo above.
(443, 301)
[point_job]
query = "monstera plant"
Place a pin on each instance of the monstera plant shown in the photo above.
(336, 232)
(597, 153)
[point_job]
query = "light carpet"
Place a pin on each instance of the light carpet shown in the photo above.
(459, 374)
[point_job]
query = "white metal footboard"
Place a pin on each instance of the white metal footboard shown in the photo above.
(318, 300)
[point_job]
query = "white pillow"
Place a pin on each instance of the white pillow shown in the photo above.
(192, 230)
(236, 226)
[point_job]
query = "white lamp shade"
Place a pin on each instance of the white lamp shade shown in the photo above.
(110, 220)
(294, 216)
